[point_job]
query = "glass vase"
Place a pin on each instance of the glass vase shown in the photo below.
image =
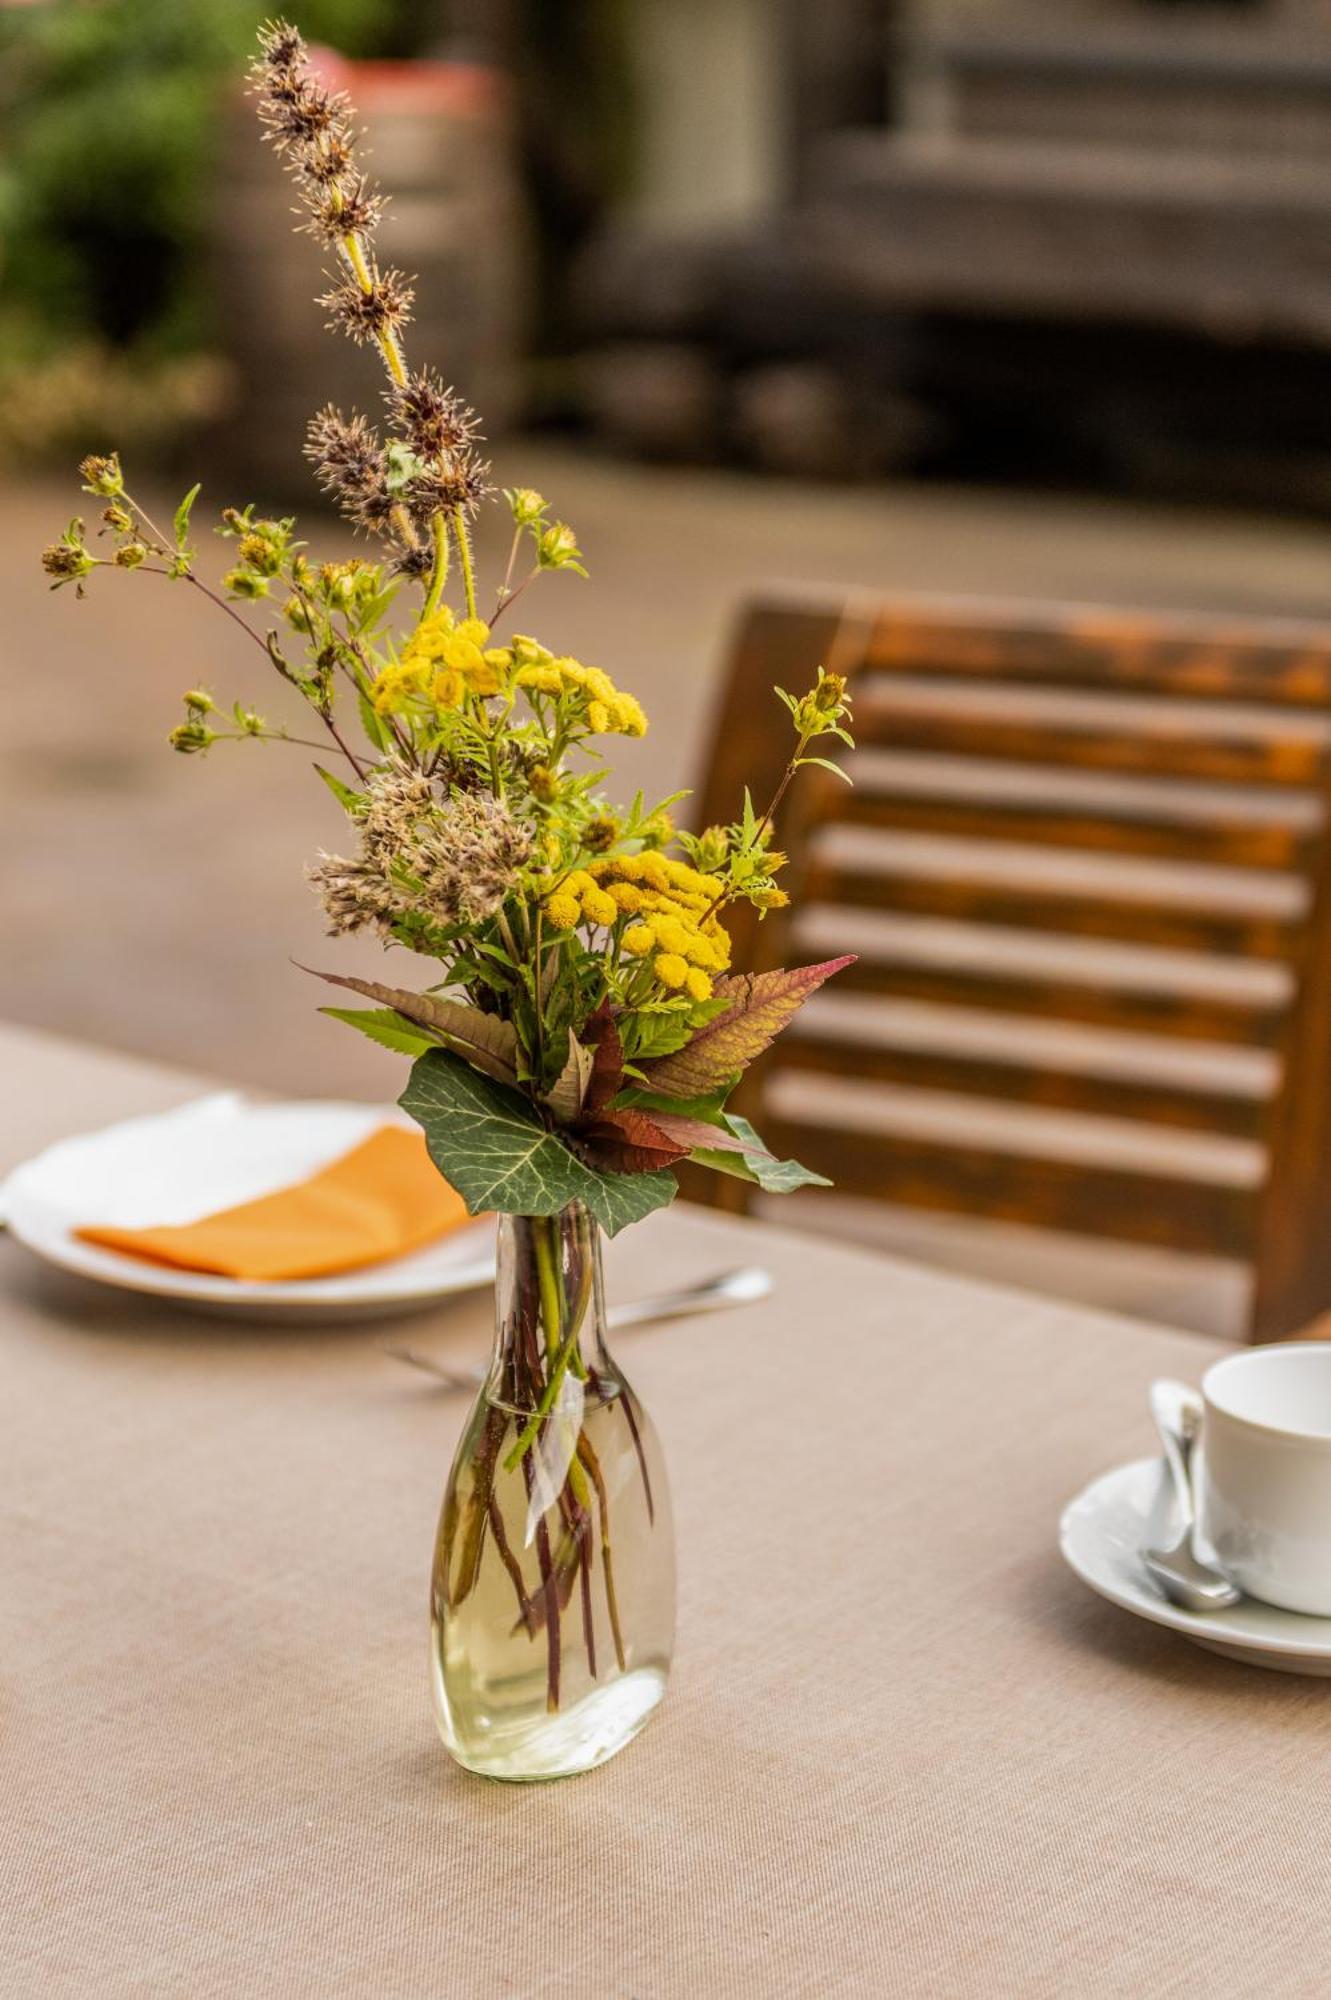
(553, 1592)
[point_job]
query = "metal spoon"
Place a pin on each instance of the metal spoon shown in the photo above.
(730, 1288)
(1191, 1584)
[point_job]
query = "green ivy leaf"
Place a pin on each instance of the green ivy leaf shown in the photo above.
(382, 1025)
(489, 1144)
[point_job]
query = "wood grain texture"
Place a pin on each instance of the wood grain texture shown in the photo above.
(1245, 1117)
(1268, 688)
(1057, 909)
(1225, 842)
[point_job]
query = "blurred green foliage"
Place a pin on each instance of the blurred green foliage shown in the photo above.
(109, 113)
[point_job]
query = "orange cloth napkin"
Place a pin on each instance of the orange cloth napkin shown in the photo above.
(380, 1200)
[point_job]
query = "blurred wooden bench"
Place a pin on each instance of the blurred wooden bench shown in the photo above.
(1085, 865)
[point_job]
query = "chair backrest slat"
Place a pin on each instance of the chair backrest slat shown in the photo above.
(1241, 1115)
(1256, 1022)
(1053, 908)
(973, 1180)
(1262, 844)
(1234, 753)
(1286, 663)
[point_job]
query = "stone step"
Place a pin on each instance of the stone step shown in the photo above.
(1229, 248)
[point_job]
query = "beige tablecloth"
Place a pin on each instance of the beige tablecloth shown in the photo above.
(903, 1754)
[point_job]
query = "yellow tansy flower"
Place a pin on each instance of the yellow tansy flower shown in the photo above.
(670, 969)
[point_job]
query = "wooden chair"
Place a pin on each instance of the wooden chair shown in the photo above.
(1085, 863)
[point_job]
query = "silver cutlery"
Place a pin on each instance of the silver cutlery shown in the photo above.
(1185, 1580)
(741, 1287)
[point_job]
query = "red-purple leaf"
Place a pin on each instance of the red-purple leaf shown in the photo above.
(691, 1132)
(629, 1142)
(607, 1074)
(761, 1005)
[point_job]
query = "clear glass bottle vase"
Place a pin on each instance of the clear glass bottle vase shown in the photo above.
(552, 1599)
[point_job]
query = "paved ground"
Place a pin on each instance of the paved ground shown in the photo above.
(154, 903)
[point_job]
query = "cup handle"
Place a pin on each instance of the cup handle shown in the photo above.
(1176, 1410)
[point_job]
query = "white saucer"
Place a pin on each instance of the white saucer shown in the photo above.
(210, 1155)
(1101, 1535)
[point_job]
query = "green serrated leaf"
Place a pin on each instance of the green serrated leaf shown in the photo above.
(760, 1005)
(346, 798)
(481, 1039)
(489, 1144)
(825, 764)
(382, 1025)
(375, 731)
(660, 1034)
(756, 1164)
(183, 512)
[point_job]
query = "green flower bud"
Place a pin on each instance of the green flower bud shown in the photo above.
(600, 834)
(189, 737)
(260, 552)
(130, 554)
(102, 475)
(557, 548)
(525, 504)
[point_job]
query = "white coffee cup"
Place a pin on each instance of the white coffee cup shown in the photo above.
(1265, 1473)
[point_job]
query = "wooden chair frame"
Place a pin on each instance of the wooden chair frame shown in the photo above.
(1282, 1226)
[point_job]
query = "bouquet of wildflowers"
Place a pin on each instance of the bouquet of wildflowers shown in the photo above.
(587, 1025)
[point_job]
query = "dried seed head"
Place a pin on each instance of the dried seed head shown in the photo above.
(371, 315)
(458, 481)
(64, 562)
(349, 464)
(414, 563)
(437, 423)
(298, 123)
(446, 860)
(330, 162)
(339, 210)
(281, 49)
(345, 453)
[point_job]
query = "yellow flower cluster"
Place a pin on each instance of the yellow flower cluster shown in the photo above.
(579, 899)
(608, 712)
(443, 661)
(673, 907)
(671, 904)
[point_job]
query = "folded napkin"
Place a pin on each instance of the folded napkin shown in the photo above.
(380, 1200)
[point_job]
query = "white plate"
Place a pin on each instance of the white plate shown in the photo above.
(210, 1155)
(1102, 1534)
